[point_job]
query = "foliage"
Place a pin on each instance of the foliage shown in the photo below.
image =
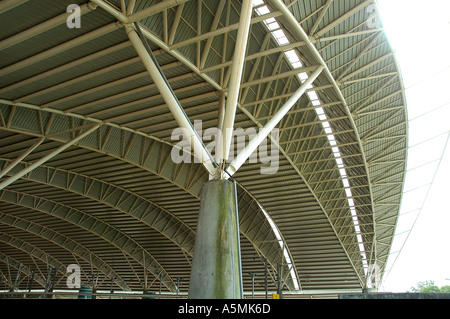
(429, 286)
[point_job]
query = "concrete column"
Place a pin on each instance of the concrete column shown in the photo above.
(216, 267)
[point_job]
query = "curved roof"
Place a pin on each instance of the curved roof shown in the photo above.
(113, 201)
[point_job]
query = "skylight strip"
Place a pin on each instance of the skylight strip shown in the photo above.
(280, 37)
(262, 10)
(337, 154)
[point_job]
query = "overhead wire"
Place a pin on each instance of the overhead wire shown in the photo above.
(420, 209)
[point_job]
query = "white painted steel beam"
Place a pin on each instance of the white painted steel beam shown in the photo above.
(59, 48)
(21, 157)
(42, 27)
(236, 76)
(25, 270)
(270, 125)
(164, 5)
(157, 41)
(94, 225)
(221, 110)
(65, 242)
(214, 25)
(44, 159)
(6, 5)
(34, 252)
(342, 18)
(196, 144)
(319, 19)
(111, 10)
(130, 7)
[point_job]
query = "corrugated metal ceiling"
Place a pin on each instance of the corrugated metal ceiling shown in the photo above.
(62, 79)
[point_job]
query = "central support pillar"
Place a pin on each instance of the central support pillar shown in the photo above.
(216, 267)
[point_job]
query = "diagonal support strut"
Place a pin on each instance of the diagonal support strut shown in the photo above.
(21, 157)
(270, 125)
(50, 155)
(236, 76)
(171, 100)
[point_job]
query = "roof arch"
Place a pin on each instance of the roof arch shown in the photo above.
(23, 269)
(128, 202)
(94, 225)
(64, 242)
(93, 75)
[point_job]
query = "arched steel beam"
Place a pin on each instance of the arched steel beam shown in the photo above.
(10, 4)
(326, 27)
(33, 251)
(24, 269)
(295, 24)
(48, 156)
(139, 149)
(59, 48)
(94, 225)
(44, 26)
(138, 15)
(347, 246)
(116, 197)
(66, 243)
(253, 225)
(155, 40)
(297, 28)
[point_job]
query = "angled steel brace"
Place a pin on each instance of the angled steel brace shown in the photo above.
(42, 27)
(33, 251)
(67, 243)
(44, 159)
(107, 232)
(270, 125)
(6, 5)
(144, 13)
(21, 157)
(169, 97)
(24, 269)
(236, 76)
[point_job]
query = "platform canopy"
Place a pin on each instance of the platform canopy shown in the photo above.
(88, 141)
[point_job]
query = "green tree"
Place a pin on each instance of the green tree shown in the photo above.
(429, 286)
(445, 289)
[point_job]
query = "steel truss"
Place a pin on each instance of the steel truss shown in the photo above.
(360, 89)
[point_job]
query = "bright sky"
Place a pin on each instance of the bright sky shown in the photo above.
(419, 32)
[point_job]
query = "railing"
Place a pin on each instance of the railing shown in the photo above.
(41, 294)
